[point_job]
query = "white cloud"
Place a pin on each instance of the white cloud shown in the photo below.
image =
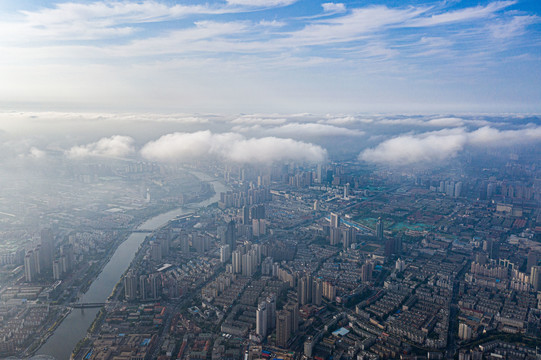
(361, 23)
(270, 149)
(342, 120)
(490, 136)
(409, 149)
(97, 20)
(445, 122)
(311, 129)
(187, 146)
(114, 146)
(250, 120)
(36, 153)
(273, 23)
(261, 3)
(333, 7)
(466, 14)
(444, 144)
(514, 27)
(182, 147)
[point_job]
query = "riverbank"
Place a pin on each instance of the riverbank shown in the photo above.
(76, 325)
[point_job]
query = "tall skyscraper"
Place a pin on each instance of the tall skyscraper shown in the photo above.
(249, 263)
(155, 286)
(30, 272)
(236, 259)
(57, 270)
(348, 237)
(246, 215)
(317, 291)
(335, 220)
(346, 191)
(391, 245)
(304, 290)
(230, 235)
(271, 311)
(379, 229)
(225, 253)
(366, 272)
(130, 286)
(335, 235)
(283, 328)
(293, 309)
(533, 257)
(46, 250)
(535, 277)
(329, 291)
(67, 256)
(184, 244)
(261, 318)
(143, 287)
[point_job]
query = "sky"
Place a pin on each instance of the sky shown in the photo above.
(271, 56)
(392, 83)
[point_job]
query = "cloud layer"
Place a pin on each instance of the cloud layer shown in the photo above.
(441, 145)
(185, 147)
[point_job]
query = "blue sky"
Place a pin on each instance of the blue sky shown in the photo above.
(273, 56)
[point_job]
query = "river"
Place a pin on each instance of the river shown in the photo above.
(74, 327)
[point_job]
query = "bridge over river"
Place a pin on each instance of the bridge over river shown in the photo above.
(87, 305)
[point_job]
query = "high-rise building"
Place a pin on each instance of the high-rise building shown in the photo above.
(143, 287)
(231, 235)
(464, 332)
(329, 291)
(225, 253)
(261, 318)
(293, 309)
(271, 311)
(335, 236)
(379, 229)
(164, 240)
(400, 265)
(283, 328)
(46, 250)
(335, 220)
(366, 272)
(236, 260)
(184, 244)
(30, 272)
(317, 291)
(348, 237)
(155, 251)
(533, 258)
(458, 189)
(346, 191)
(130, 286)
(304, 290)
(319, 174)
(155, 286)
(68, 257)
(266, 266)
(249, 263)
(57, 270)
(390, 245)
(245, 215)
(535, 277)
